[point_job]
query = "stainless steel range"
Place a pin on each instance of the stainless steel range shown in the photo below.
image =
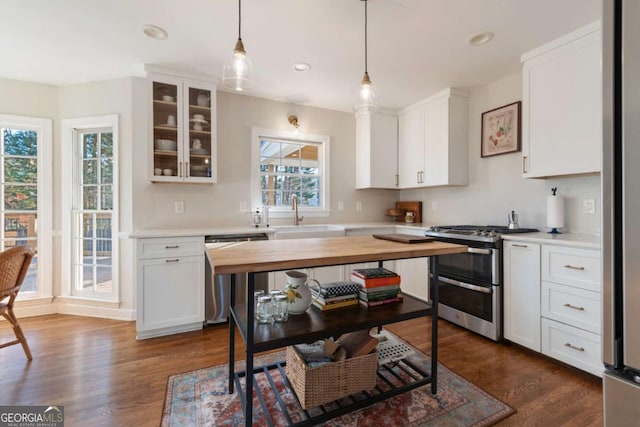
(470, 284)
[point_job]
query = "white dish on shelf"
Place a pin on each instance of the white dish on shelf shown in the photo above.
(169, 125)
(199, 151)
(166, 145)
(199, 121)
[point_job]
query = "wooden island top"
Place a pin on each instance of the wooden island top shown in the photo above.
(271, 255)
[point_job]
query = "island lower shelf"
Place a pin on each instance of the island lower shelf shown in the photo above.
(314, 324)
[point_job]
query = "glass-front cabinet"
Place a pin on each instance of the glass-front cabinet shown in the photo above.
(183, 121)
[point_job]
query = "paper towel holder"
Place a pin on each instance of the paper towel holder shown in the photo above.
(555, 212)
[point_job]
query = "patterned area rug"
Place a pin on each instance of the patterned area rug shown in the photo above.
(200, 398)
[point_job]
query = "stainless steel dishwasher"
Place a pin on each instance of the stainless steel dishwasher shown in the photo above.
(217, 286)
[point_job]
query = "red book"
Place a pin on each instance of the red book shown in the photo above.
(378, 281)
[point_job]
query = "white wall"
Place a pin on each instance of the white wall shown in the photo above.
(496, 185)
(219, 204)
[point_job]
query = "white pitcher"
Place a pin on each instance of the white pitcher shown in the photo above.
(297, 291)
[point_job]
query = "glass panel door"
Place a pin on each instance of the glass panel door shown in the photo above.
(200, 115)
(166, 122)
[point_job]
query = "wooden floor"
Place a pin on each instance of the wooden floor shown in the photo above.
(104, 377)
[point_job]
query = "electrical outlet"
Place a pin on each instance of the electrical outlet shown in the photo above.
(589, 206)
(434, 206)
(358, 206)
(179, 207)
(243, 206)
(341, 205)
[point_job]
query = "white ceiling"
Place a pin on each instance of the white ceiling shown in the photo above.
(416, 47)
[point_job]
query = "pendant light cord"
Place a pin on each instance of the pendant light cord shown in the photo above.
(365, 36)
(239, 18)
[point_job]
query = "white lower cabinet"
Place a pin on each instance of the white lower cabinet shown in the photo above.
(552, 301)
(414, 274)
(170, 286)
(522, 294)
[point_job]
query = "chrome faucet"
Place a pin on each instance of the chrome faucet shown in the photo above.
(294, 207)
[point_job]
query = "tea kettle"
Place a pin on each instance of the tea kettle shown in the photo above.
(513, 220)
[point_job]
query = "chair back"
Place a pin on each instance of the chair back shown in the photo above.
(14, 263)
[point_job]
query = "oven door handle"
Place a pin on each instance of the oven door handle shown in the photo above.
(479, 251)
(465, 285)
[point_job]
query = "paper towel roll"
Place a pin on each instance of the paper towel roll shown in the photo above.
(555, 212)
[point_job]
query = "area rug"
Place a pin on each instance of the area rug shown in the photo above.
(200, 398)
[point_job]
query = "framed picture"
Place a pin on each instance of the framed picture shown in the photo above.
(501, 130)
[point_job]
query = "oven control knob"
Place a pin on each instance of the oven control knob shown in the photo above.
(434, 228)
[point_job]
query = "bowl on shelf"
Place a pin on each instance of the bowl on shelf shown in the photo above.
(199, 151)
(166, 145)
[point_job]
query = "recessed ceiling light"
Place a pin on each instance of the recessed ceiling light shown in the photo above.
(480, 38)
(301, 66)
(155, 32)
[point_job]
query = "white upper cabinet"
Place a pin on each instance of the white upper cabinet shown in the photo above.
(182, 121)
(562, 106)
(433, 141)
(376, 149)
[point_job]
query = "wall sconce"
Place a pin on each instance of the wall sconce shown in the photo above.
(293, 120)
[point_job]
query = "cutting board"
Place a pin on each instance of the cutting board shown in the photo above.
(415, 207)
(404, 238)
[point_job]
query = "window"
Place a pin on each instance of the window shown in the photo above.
(286, 164)
(92, 184)
(25, 194)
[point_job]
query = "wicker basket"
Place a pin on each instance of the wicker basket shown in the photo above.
(333, 381)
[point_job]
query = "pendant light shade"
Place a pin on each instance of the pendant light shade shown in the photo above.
(238, 70)
(367, 93)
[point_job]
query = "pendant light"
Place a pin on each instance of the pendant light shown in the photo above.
(367, 94)
(238, 70)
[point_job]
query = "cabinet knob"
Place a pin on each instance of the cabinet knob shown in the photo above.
(524, 161)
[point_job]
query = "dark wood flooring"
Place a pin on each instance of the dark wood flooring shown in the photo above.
(104, 377)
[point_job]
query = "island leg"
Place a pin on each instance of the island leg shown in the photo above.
(248, 417)
(232, 325)
(433, 283)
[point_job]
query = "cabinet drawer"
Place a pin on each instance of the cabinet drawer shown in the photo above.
(573, 306)
(165, 248)
(571, 266)
(572, 345)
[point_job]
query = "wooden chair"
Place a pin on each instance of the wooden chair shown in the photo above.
(14, 264)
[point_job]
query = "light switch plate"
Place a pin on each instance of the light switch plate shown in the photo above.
(589, 206)
(179, 207)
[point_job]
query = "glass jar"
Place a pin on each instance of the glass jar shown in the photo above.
(264, 312)
(256, 296)
(281, 308)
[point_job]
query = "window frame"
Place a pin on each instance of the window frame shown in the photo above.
(44, 222)
(324, 150)
(70, 128)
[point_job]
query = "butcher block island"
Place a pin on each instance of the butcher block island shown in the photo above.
(274, 255)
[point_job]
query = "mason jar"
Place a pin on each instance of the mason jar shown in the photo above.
(256, 296)
(281, 308)
(264, 312)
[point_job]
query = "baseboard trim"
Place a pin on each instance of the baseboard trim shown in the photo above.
(95, 311)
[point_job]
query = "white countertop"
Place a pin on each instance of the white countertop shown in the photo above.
(207, 231)
(590, 241)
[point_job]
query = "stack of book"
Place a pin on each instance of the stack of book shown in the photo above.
(329, 296)
(378, 286)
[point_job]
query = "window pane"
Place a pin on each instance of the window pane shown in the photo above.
(103, 279)
(89, 145)
(310, 171)
(20, 170)
(90, 172)
(106, 144)
(90, 197)
(18, 142)
(20, 197)
(106, 197)
(20, 227)
(106, 171)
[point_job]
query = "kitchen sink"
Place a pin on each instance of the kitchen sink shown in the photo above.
(304, 231)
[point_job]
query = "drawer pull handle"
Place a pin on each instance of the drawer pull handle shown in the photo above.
(172, 260)
(573, 267)
(520, 246)
(573, 347)
(172, 247)
(574, 307)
